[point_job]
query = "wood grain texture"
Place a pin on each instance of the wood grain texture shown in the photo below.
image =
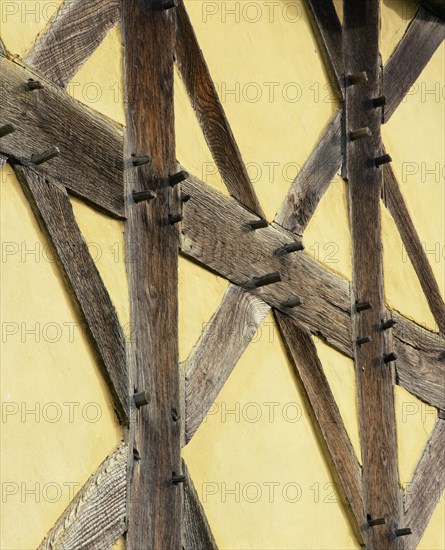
(154, 516)
(95, 518)
(310, 371)
(222, 343)
(422, 38)
(361, 25)
(211, 116)
(328, 30)
(52, 208)
(426, 487)
(313, 180)
(399, 211)
(216, 234)
(2, 48)
(2, 160)
(197, 534)
(90, 163)
(71, 37)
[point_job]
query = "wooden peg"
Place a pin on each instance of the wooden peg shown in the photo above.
(6, 129)
(174, 218)
(258, 224)
(185, 197)
(141, 398)
(388, 357)
(268, 279)
(376, 521)
(181, 478)
(363, 340)
(389, 323)
(136, 454)
(169, 4)
(175, 415)
(362, 306)
(379, 101)
(403, 532)
(139, 196)
(139, 161)
(384, 159)
(360, 134)
(34, 84)
(174, 179)
(358, 78)
(293, 302)
(40, 158)
(291, 247)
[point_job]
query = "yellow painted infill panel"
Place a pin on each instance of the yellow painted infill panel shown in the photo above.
(99, 83)
(272, 84)
(21, 22)
(340, 372)
(119, 544)
(200, 292)
(415, 422)
(327, 237)
(58, 422)
(395, 17)
(191, 148)
(257, 464)
(105, 239)
(415, 139)
(434, 535)
(402, 288)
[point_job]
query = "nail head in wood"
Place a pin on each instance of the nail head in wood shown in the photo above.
(34, 84)
(403, 532)
(384, 159)
(40, 158)
(174, 179)
(174, 218)
(376, 521)
(389, 357)
(293, 302)
(6, 129)
(379, 101)
(139, 196)
(296, 246)
(178, 478)
(362, 306)
(139, 161)
(141, 398)
(389, 323)
(358, 78)
(363, 340)
(258, 224)
(360, 134)
(268, 279)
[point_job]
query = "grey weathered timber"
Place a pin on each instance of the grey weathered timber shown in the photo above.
(2, 48)
(313, 180)
(361, 25)
(340, 451)
(71, 37)
(426, 487)
(327, 28)
(211, 116)
(95, 518)
(222, 343)
(90, 164)
(52, 208)
(197, 534)
(424, 35)
(399, 211)
(154, 515)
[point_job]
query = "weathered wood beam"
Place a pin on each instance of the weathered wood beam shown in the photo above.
(211, 116)
(424, 35)
(399, 211)
(48, 117)
(2, 48)
(197, 534)
(154, 515)
(374, 377)
(346, 468)
(222, 343)
(426, 487)
(313, 180)
(71, 37)
(52, 208)
(328, 30)
(95, 518)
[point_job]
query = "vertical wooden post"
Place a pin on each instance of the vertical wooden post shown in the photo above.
(374, 377)
(154, 516)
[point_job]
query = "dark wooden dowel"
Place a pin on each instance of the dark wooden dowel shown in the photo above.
(379, 101)
(358, 78)
(268, 279)
(389, 323)
(178, 478)
(360, 134)
(139, 196)
(174, 179)
(141, 398)
(291, 247)
(362, 306)
(174, 218)
(139, 161)
(293, 302)
(185, 197)
(376, 521)
(258, 224)
(6, 129)
(384, 159)
(364, 340)
(403, 532)
(169, 4)
(34, 85)
(40, 158)
(388, 357)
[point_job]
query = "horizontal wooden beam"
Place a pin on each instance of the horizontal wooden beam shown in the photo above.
(52, 208)
(90, 163)
(95, 518)
(222, 343)
(215, 234)
(71, 37)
